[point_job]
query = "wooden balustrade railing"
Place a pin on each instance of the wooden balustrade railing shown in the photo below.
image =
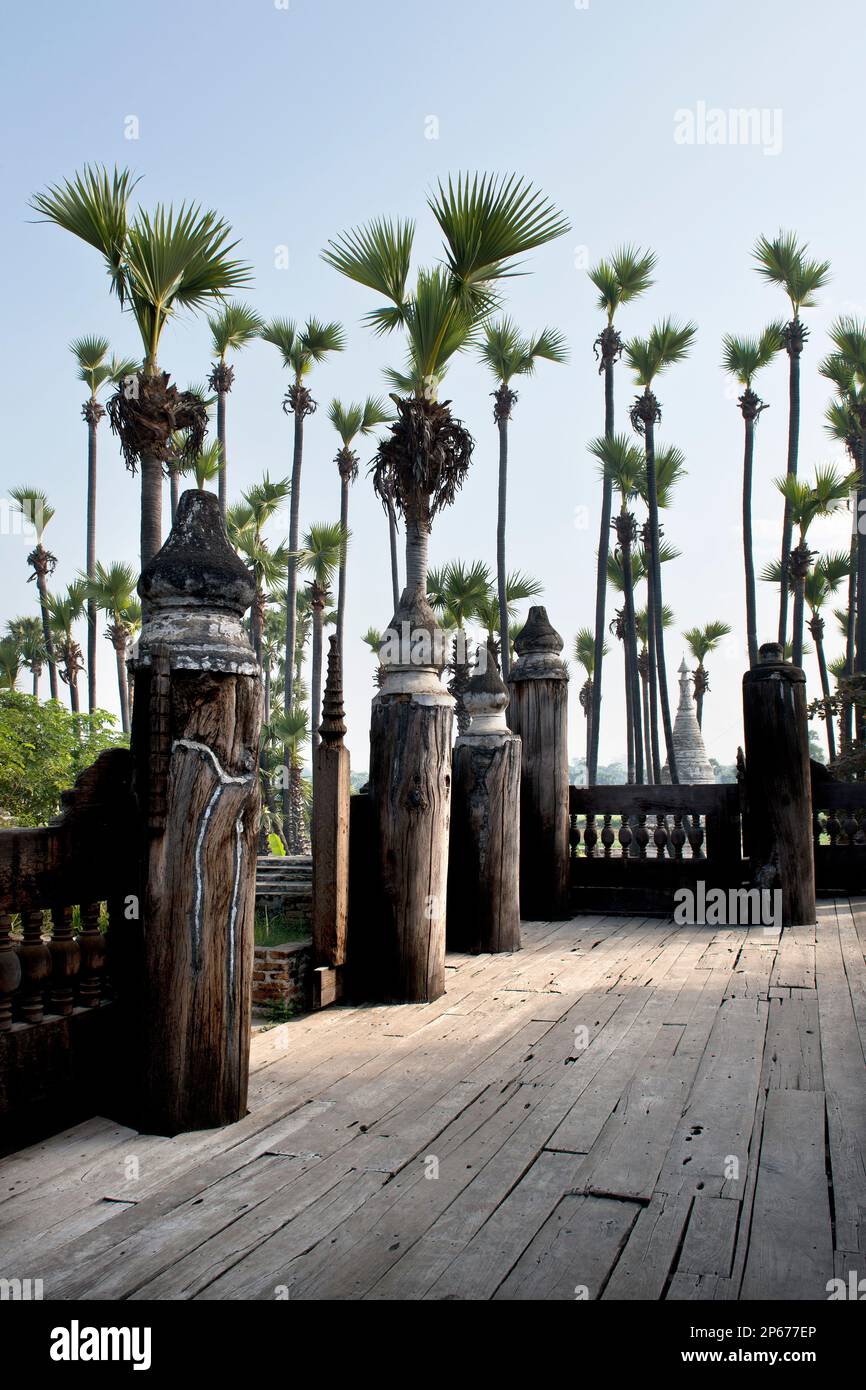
(50, 964)
(839, 831)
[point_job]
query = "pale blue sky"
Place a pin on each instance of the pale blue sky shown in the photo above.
(296, 123)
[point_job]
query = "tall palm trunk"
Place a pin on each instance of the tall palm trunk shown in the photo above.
(644, 682)
(395, 565)
(624, 533)
(46, 628)
(749, 416)
(816, 627)
(656, 580)
(629, 713)
(799, 613)
(221, 436)
(652, 674)
(341, 583)
(174, 484)
(151, 507)
(417, 546)
(92, 412)
(318, 607)
(861, 568)
(608, 348)
(122, 684)
(300, 844)
(700, 687)
(36, 672)
(794, 337)
(501, 578)
(292, 583)
(847, 721)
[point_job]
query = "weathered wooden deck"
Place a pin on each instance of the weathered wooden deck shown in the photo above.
(704, 1138)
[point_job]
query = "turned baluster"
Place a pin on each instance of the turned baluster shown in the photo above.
(590, 836)
(573, 836)
(35, 960)
(65, 961)
(607, 835)
(849, 826)
(91, 944)
(696, 837)
(625, 836)
(678, 835)
(834, 827)
(10, 972)
(642, 835)
(660, 836)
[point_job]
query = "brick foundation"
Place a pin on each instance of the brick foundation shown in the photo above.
(281, 975)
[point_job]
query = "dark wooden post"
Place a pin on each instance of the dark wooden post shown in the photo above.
(538, 712)
(410, 791)
(10, 972)
(330, 840)
(195, 753)
(779, 796)
(484, 863)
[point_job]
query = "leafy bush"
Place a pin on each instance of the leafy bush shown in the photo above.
(43, 748)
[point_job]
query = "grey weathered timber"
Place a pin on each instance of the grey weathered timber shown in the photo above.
(195, 749)
(538, 714)
(325, 1190)
(778, 782)
(330, 836)
(410, 792)
(484, 866)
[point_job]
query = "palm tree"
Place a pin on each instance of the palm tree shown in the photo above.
(372, 638)
(485, 223)
(64, 611)
(300, 352)
(621, 463)
(624, 277)
(806, 502)
(584, 654)
(290, 732)
(10, 663)
(231, 329)
(350, 421)
(518, 587)
(846, 367)
(822, 581)
(320, 553)
(701, 641)
(507, 354)
(742, 358)
(113, 590)
(456, 592)
(34, 506)
(784, 262)
(246, 523)
(203, 466)
(159, 264)
(642, 626)
(669, 468)
(27, 635)
(668, 343)
(96, 370)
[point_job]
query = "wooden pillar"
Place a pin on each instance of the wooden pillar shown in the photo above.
(331, 793)
(410, 791)
(10, 972)
(484, 863)
(538, 713)
(195, 752)
(778, 788)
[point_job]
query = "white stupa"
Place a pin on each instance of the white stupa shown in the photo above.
(692, 762)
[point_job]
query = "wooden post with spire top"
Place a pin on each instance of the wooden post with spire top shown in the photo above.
(538, 712)
(195, 739)
(330, 836)
(484, 862)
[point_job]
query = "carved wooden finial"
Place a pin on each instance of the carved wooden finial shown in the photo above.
(538, 645)
(486, 696)
(194, 593)
(333, 726)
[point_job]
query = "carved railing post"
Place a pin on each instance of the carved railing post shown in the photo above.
(484, 865)
(10, 972)
(538, 712)
(35, 960)
(65, 961)
(92, 945)
(410, 792)
(330, 840)
(778, 783)
(195, 749)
